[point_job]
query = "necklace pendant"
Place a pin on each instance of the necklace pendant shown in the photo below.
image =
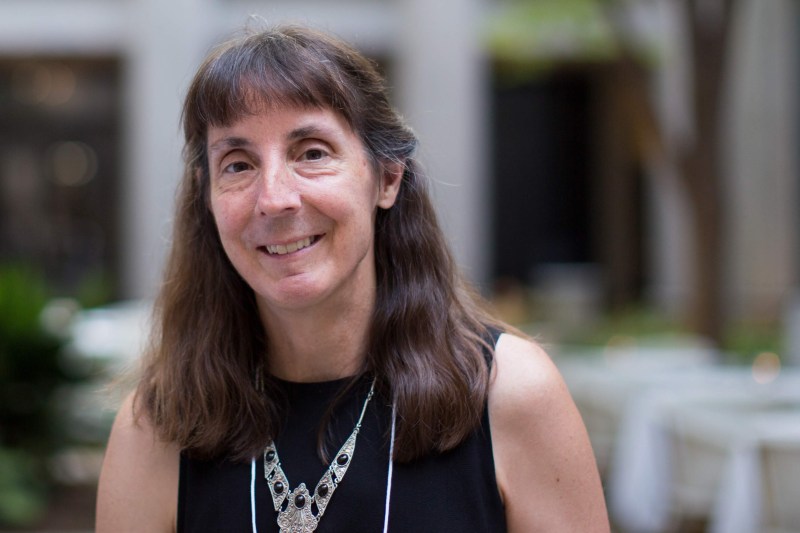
(294, 507)
(297, 517)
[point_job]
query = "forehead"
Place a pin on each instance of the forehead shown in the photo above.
(282, 123)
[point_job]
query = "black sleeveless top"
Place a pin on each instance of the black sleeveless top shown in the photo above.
(448, 492)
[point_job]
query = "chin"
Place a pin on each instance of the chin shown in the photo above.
(292, 298)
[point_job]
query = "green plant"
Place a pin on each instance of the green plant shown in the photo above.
(743, 341)
(29, 374)
(22, 490)
(635, 322)
(29, 368)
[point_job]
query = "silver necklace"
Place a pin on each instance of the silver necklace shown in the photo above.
(390, 470)
(295, 506)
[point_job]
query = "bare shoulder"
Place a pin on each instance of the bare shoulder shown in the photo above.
(544, 463)
(138, 487)
(522, 370)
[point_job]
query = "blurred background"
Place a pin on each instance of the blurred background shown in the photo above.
(618, 177)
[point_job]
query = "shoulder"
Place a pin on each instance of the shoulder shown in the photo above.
(521, 371)
(138, 487)
(528, 400)
(546, 472)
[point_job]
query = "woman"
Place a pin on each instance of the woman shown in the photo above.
(317, 362)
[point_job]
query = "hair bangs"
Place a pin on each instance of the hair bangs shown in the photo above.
(264, 74)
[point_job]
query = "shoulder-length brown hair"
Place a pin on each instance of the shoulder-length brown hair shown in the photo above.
(426, 340)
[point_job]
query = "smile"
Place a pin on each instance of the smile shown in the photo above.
(283, 249)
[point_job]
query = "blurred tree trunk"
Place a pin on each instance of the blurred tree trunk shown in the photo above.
(701, 164)
(618, 159)
(698, 160)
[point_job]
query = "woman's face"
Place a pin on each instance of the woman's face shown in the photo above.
(294, 197)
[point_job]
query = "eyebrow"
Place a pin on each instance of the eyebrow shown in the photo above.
(309, 131)
(228, 142)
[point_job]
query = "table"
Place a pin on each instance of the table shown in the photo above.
(740, 435)
(641, 403)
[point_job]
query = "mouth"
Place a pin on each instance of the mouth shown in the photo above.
(283, 249)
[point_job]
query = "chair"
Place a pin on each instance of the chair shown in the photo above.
(780, 461)
(698, 466)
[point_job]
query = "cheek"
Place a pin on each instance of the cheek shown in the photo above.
(354, 211)
(230, 231)
(227, 216)
(220, 220)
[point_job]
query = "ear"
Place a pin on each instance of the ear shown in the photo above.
(389, 186)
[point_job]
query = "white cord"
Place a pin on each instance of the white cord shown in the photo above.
(391, 469)
(253, 494)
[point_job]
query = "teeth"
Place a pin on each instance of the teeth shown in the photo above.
(282, 249)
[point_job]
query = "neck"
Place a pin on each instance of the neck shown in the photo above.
(312, 346)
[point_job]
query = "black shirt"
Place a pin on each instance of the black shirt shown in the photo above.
(448, 492)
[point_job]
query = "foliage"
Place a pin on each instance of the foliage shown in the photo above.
(29, 374)
(635, 322)
(95, 289)
(529, 36)
(23, 294)
(742, 341)
(29, 367)
(22, 493)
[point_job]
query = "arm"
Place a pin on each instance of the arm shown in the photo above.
(138, 488)
(546, 471)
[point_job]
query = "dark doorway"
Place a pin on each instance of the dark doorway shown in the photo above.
(541, 163)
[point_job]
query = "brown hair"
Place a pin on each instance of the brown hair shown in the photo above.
(426, 344)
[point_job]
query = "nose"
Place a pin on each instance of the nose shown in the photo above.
(278, 193)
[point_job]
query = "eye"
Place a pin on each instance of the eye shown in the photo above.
(313, 154)
(236, 167)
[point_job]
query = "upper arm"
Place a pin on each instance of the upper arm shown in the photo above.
(138, 487)
(545, 467)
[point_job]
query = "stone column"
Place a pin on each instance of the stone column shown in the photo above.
(166, 42)
(443, 92)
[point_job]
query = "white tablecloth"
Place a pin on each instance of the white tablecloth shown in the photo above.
(641, 474)
(739, 502)
(647, 401)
